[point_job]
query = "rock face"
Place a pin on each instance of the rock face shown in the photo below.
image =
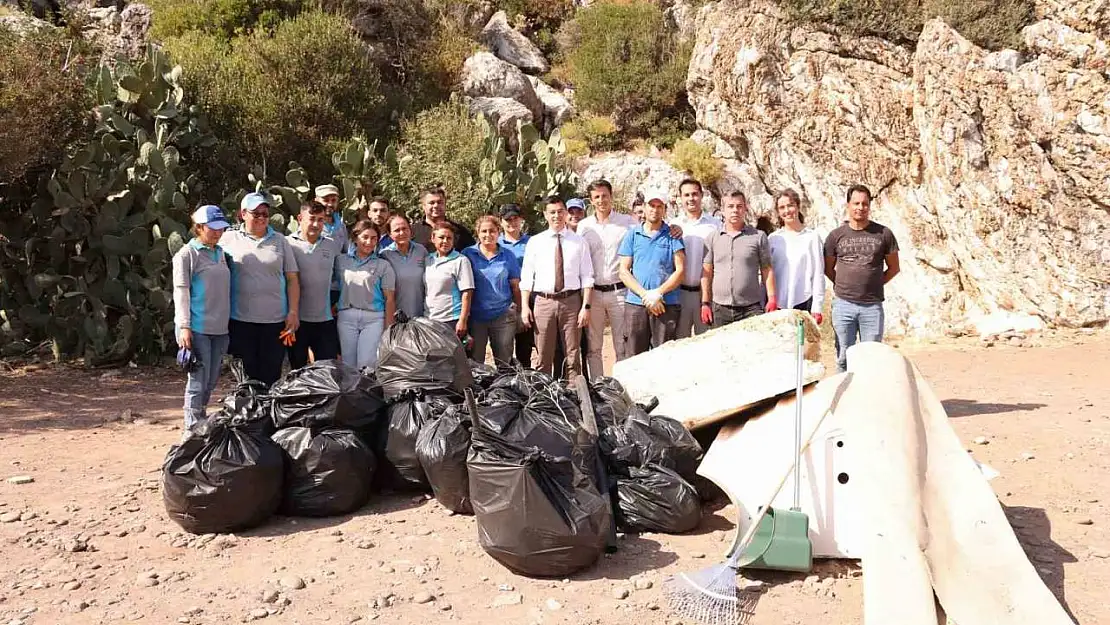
(556, 108)
(134, 33)
(511, 46)
(989, 168)
(503, 112)
(486, 76)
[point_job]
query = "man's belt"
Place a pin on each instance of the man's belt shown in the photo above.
(692, 289)
(605, 288)
(560, 294)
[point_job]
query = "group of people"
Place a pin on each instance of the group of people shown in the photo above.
(324, 289)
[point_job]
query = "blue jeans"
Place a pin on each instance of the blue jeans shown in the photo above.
(209, 350)
(849, 320)
(360, 332)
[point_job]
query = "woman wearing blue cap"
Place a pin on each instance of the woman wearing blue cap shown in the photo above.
(202, 305)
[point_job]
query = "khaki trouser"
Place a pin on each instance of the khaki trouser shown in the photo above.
(555, 317)
(605, 307)
(643, 331)
(689, 318)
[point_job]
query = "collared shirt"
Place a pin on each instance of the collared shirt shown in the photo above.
(516, 247)
(363, 282)
(652, 260)
(422, 234)
(604, 241)
(445, 278)
(204, 273)
(384, 241)
(409, 272)
(336, 229)
(799, 264)
(316, 263)
(695, 232)
(493, 291)
(258, 268)
(736, 258)
(538, 271)
(860, 261)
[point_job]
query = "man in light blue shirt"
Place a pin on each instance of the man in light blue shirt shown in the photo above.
(652, 265)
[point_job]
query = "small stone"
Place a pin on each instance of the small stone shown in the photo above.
(292, 583)
(652, 606)
(75, 545)
(270, 596)
(1085, 521)
(982, 440)
(697, 555)
(1025, 455)
(751, 585)
(144, 580)
(20, 479)
(505, 587)
(509, 598)
(552, 605)
(424, 532)
(259, 613)
(642, 584)
(74, 585)
(365, 544)
(423, 597)
(9, 517)
(445, 607)
(620, 593)
(385, 568)
(1016, 341)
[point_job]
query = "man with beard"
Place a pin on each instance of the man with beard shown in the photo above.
(434, 202)
(697, 227)
(334, 228)
(316, 256)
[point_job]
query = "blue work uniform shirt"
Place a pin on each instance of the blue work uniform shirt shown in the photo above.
(652, 260)
(493, 293)
(516, 247)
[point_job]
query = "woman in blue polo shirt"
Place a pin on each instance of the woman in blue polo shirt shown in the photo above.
(366, 297)
(496, 293)
(202, 306)
(448, 282)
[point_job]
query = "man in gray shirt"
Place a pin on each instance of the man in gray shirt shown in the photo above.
(316, 259)
(736, 258)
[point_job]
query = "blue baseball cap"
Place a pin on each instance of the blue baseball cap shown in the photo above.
(252, 201)
(211, 216)
(576, 202)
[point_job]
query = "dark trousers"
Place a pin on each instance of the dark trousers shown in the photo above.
(259, 347)
(321, 336)
(644, 331)
(724, 315)
(805, 306)
(525, 341)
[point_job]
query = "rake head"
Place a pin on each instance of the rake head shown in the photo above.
(710, 596)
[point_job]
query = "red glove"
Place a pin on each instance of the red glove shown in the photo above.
(818, 317)
(772, 305)
(706, 314)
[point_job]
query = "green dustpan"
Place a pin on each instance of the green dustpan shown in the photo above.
(781, 540)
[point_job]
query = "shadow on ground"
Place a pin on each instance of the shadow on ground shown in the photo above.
(1034, 531)
(957, 408)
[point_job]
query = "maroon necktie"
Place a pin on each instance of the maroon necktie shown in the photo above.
(559, 263)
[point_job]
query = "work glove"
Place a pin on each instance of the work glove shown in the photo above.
(706, 314)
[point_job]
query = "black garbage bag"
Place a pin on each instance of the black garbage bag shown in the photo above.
(525, 383)
(396, 438)
(421, 354)
(249, 404)
(611, 402)
(651, 439)
(548, 420)
(329, 472)
(223, 477)
(484, 375)
(327, 393)
(538, 514)
(656, 499)
(442, 447)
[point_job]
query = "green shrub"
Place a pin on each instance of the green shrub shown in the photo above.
(697, 160)
(624, 62)
(589, 133)
(280, 98)
(988, 23)
(222, 18)
(44, 106)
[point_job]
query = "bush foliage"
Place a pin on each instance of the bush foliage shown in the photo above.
(697, 160)
(988, 23)
(221, 18)
(588, 133)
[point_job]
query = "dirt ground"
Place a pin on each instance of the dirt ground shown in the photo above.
(88, 540)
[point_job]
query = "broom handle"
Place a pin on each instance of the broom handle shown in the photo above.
(750, 534)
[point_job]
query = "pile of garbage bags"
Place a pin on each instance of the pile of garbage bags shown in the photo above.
(548, 488)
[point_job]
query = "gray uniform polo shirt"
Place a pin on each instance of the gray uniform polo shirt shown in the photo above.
(409, 271)
(445, 279)
(737, 259)
(258, 268)
(204, 272)
(316, 265)
(363, 282)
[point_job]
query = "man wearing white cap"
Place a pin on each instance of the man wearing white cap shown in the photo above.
(334, 228)
(265, 290)
(652, 266)
(697, 227)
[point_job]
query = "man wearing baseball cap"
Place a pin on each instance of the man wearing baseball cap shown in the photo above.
(316, 267)
(515, 239)
(334, 228)
(652, 264)
(265, 290)
(202, 303)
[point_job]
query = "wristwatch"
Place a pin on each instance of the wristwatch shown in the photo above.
(587, 307)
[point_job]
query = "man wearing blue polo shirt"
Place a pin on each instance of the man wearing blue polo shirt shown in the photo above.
(652, 265)
(514, 239)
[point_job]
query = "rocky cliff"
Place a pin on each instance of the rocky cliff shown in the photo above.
(993, 169)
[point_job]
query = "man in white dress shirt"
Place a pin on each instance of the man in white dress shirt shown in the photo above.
(559, 270)
(696, 226)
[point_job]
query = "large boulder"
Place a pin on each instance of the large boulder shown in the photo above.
(511, 46)
(556, 107)
(22, 24)
(131, 39)
(505, 113)
(989, 170)
(486, 76)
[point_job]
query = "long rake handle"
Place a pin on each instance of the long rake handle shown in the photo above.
(738, 550)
